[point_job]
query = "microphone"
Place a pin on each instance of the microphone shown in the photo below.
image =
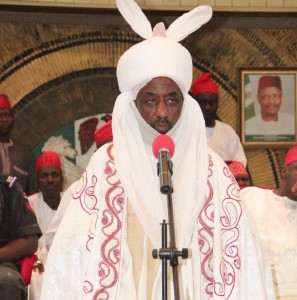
(163, 149)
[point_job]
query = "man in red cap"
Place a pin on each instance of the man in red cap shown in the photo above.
(273, 214)
(15, 158)
(221, 137)
(240, 174)
(45, 204)
(102, 136)
(270, 121)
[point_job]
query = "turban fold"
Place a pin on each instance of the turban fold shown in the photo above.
(103, 134)
(269, 81)
(48, 158)
(291, 156)
(237, 168)
(204, 84)
(4, 102)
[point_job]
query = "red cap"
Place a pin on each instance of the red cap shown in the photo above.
(237, 168)
(269, 81)
(204, 84)
(4, 102)
(291, 156)
(48, 158)
(103, 133)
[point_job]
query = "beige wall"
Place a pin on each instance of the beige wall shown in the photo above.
(218, 5)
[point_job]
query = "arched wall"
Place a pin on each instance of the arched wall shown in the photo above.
(57, 73)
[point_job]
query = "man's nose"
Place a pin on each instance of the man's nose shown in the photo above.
(161, 109)
(3, 118)
(271, 100)
(50, 178)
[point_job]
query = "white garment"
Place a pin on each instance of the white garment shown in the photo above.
(44, 215)
(284, 126)
(90, 256)
(133, 137)
(56, 219)
(223, 140)
(275, 223)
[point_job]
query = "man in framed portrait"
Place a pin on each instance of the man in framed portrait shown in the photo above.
(270, 120)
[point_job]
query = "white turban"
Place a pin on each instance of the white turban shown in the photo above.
(160, 54)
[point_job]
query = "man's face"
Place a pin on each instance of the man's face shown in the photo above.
(50, 181)
(160, 103)
(243, 180)
(290, 176)
(270, 100)
(6, 120)
(209, 104)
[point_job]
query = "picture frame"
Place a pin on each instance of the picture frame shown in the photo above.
(267, 106)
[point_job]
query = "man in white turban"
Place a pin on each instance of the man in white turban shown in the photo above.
(103, 247)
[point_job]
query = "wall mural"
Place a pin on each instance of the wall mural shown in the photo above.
(75, 144)
(56, 74)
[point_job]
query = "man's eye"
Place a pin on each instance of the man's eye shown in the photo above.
(55, 175)
(172, 100)
(150, 100)
(6, 115)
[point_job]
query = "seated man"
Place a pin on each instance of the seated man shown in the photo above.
(45, 204)
(19, 234)
(240, 174)
(15, 159)
(274, 216)
(102, 135)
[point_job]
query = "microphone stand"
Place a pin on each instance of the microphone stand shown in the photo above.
(170, 253)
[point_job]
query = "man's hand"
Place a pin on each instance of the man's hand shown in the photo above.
(38, 265)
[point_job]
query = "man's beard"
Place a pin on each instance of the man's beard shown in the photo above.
(209, 120)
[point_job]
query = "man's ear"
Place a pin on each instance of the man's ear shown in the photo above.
(284, 171)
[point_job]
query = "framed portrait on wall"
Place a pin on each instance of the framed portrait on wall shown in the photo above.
(268, 107)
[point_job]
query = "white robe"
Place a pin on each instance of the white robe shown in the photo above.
(90, 257)
(56, 219)
(285, 125)
(275, 223)
(44, 215)
(223, 140)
